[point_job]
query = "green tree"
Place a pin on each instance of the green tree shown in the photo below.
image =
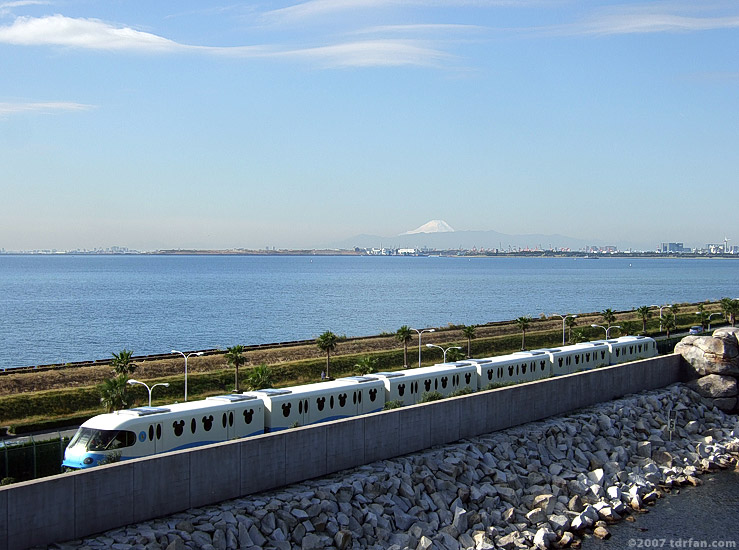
(570, 322)
(404, 335)
(469, 333)
(523, 323)
(668, 322)
(366, 365)
(730, 309)
(453, 355)
(327, 342)
(122, 363)
(259, 377)
(235, 358)
(644, 313)
(703, 316)
(675, 310)
(608, 316)
(114, 394)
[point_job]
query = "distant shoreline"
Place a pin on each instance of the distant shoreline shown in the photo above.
(431, 253)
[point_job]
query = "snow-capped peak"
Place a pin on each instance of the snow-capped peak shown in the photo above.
(434, 226)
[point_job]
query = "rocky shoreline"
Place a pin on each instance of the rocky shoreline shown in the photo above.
(539, 485)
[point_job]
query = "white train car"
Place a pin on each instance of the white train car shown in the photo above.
(144, 431)
(521, 366)
(408, 386)
(321, 402)
(630, 348)
(578, 357)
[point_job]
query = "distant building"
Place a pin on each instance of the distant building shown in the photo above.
(672, 247)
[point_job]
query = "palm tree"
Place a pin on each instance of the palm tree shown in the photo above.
(608, 316)
(570, 322)
(668, 322)
(326, 342)
(235, 359)
(730, 309)
(644, 313)
(675, 309)
(366, 365)
(453, 355)
(469, 333)
(523, 323)
(122, 363)
(259, 377)
(404, 335)
(114, 394)
(702, 316)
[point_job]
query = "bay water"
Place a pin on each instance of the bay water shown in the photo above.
(64, 308)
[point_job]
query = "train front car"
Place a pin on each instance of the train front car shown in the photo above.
(102, 439)
(146, 431)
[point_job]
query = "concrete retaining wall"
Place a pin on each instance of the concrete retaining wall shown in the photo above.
(79, 504)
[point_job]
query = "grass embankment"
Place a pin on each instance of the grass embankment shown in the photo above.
(69, 395)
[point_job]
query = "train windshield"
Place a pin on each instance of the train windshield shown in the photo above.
(102, 440)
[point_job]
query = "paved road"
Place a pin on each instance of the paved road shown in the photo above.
(707, 513)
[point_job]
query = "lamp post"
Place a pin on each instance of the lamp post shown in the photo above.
(419, 341)
(607, 329)
(660, 314)
(186, 356)
(564, 322)
(442, 349)
(165, 384)
(709, 319)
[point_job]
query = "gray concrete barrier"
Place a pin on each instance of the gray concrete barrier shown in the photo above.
(78, 504)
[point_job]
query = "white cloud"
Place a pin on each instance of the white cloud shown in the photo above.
(42, 107)
(650, 18)
(93, 34)
(372, 53)
(58, 30)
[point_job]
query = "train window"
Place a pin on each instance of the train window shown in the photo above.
(159, 431)
(151, 432)
(360, 396)
(305, 407)
(331, 402)
(354, 397)
(193, 425)
(208, 422)
(230, 418)
(300, 407)
(248, 416)
(103, 440)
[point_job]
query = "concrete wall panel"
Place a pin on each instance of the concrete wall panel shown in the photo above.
(475, 407)
(345, 444)
(40, 513)
(160, 487)
(445, 421)
(262, 463)
(382, 432)
(215, 473)
(103, 498)
(414, 429)
(305, 452)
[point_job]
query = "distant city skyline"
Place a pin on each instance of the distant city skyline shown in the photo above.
(299, 124)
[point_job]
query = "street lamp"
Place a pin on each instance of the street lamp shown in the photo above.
(607, 329)
(660, 313)
(709, 319)
(165, 384)
(564, 322)
(419, 341)
(442, 349)
(186, 356)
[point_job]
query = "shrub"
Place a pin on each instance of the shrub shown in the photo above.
(392, 405)
(429, 396)
(462, 391)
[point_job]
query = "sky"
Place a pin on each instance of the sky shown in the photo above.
(260, 124)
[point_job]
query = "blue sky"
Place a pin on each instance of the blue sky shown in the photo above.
(198, 124)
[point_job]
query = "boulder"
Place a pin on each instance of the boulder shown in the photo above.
(711, 354)
(715, 386)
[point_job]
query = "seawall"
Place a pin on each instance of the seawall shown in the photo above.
(78, 504)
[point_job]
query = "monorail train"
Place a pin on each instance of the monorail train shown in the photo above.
(144, 431)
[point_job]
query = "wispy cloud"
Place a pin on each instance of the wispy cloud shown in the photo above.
(7, 8)
(41, 107)
(92, 34)
(650, 18)
(314, 8)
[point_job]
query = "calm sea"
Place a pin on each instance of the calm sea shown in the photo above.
(72, 308)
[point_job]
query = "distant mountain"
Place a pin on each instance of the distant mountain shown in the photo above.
(434, 226)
